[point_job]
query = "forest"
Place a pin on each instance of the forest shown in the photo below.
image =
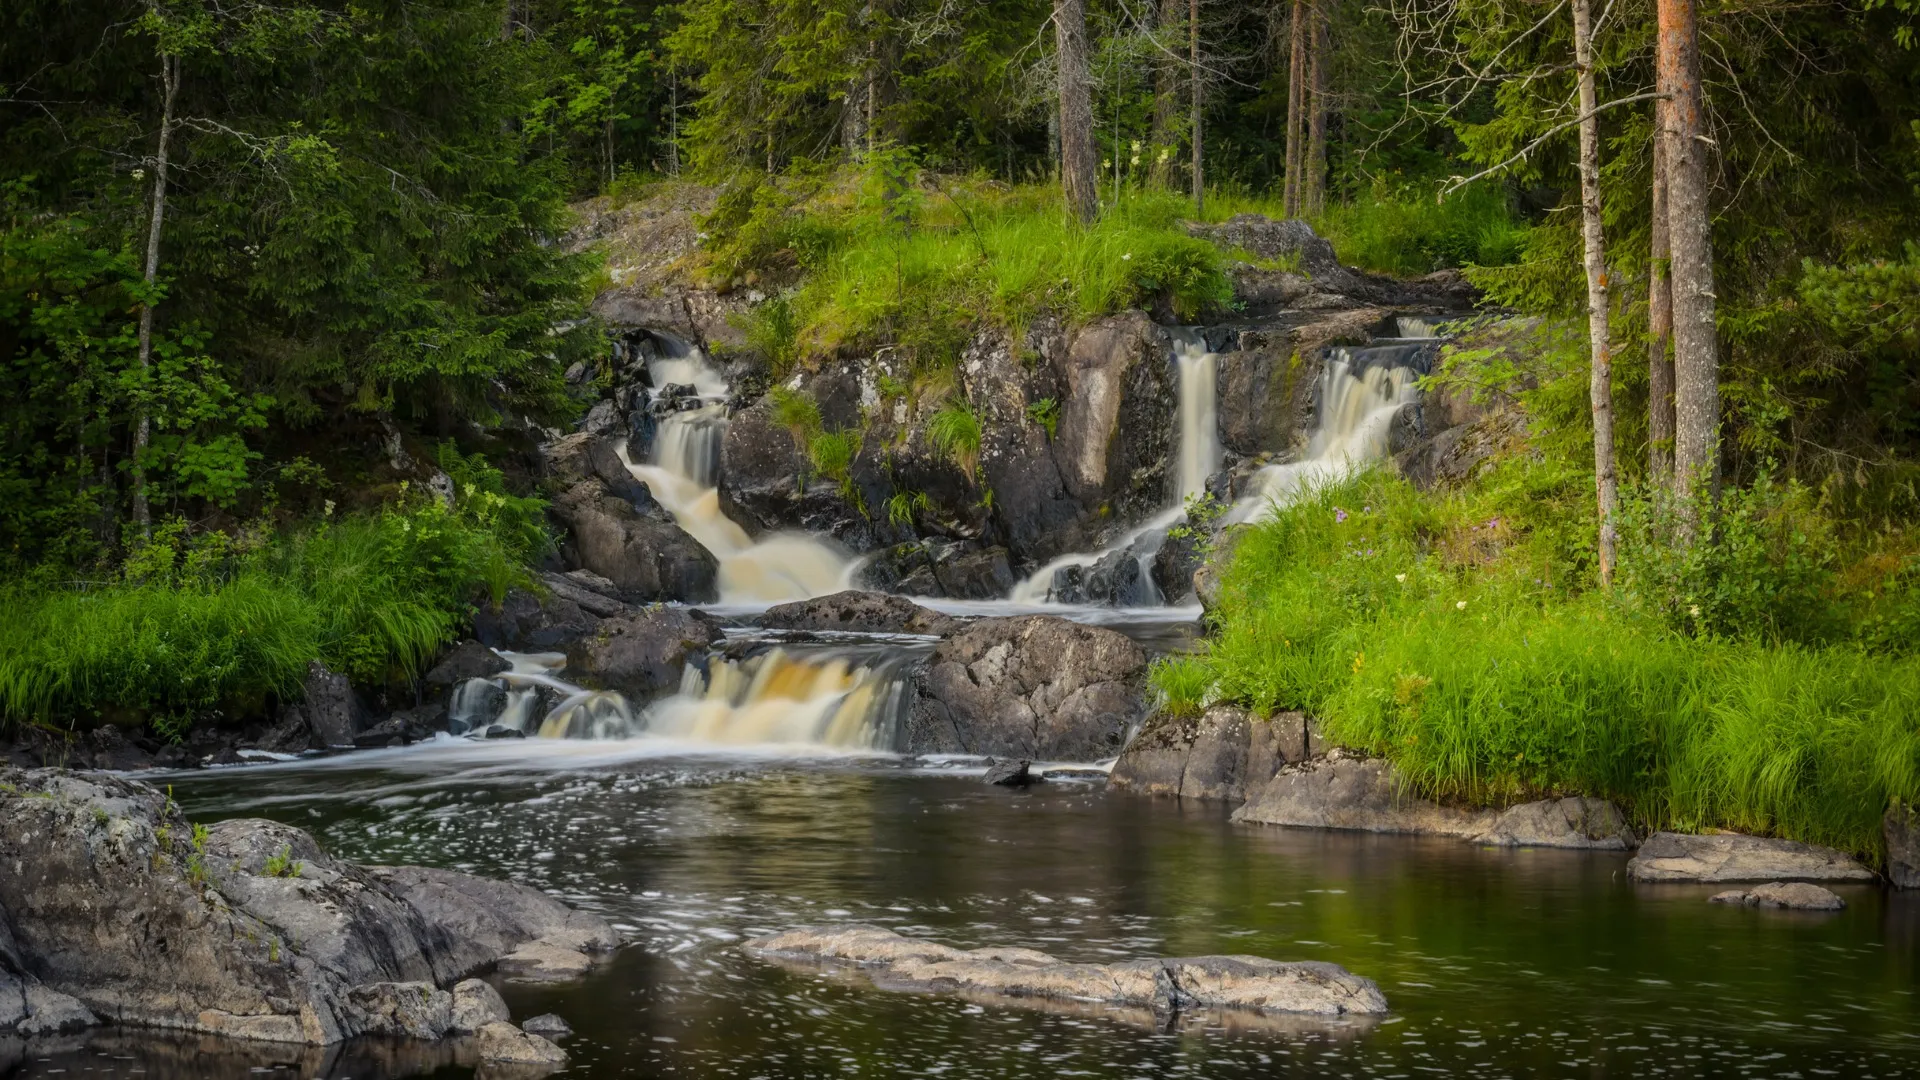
(260, 260)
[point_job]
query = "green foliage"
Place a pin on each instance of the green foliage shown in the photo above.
(798, 413)
(1876, 304)
(832, 454)
(955, 434)
(1183, 684)
(1409, 233)
(1046, 413)
(282, 864)
(902, 505)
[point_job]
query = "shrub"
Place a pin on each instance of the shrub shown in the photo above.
(1182, 684)
(955, 434)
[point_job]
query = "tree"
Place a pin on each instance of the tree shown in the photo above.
(1079, 165)
(1296, 110)
(1696, 367)
(1659, 317)
(1313, 196)
(1193, 121)
(1606, 480)
(1162, 139)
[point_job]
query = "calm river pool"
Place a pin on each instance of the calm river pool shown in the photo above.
(1496, 963)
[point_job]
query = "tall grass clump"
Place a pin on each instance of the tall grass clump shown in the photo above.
(1410, 233)
(955, 434)
(1451, 634)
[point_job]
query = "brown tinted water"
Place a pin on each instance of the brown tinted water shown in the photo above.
(1496, 963)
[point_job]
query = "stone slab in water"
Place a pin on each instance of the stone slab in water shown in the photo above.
(1902, 830)
(861, 611)
(1794, 895)
(1171, 985)
(245, 929)
(1732, 857)
(1576, 822)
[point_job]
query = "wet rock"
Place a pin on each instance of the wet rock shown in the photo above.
(1173, 568)
(1345, 791)
(248, 929)
(547, 1026)
(862, 611)
(646, 555)
(1010, 774)
(475, 1005)
(591, 601)
(1221, 754)
(1563, 823)
(981, 574)
(467, 660)
(1118, 378)
(524, 622)
(1794, 895)
(501, 731)
(1732, 857)
(1039, 518)
(1901, 828)
(502, 1042)
(42, 1011)
(541, 961)
(642, 655)
(1232, 982)
(1114, 580)
(1034, 687)
(327, 707)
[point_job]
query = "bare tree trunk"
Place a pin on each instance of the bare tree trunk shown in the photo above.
(1313, 195)
(143, 422)
(1296, 109)
(1659, 319)
(1193, 121)
(1166, 89)
(1079, 165)
(1606, 479)
(1696, 363)
(673, 121)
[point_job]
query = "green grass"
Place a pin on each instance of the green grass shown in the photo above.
(374, 596)
(1452, 635)
(955, 434)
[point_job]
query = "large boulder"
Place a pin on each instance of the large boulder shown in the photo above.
(1902, 830)
(861, 611)
(1038, 517)
(646, 555)
(1221, 754)
(1575, 822)
(642, 655)
(245, 928)
(1165, 986)
(1034, 687)
(523, 622)
(1733, 857)
(1116, 426)
(327, 714)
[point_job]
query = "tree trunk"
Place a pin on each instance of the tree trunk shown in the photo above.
(1606, 481)
(673, 121)
(1696, 365)
(1659, 319)
(1193, 121)
(1166, 93)
(1296, 109)
(1079, 165)
(143, 422)
(1313, 196)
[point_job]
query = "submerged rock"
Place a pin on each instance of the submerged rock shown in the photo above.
(1010, 774)
(1034, 687)
(245, 928)
(1224, 753)
(1732, 857)
(1902, 830)
(862, 611)
(504, 1043)
(642, 655)
(547, 1026)
(1166, 986)
(1795, 895)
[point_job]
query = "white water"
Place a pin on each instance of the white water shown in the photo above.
(581, 713)
(779, 697)
(1199, 458)
(684, 477)
(1350, 431)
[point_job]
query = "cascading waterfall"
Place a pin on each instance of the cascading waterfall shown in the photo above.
(1198, 458)
(1360, 391)
(784, 697)
(684, 476)
(528, 683)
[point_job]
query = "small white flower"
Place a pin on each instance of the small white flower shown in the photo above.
(1135, 147)
(1127, 257)
(1694, 611)
(327, 511)
(1401, 578)
(1462, 605)
(139, 174)
(1134, 161)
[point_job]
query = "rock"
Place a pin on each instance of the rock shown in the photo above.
(1795, 895)
(647, 556)
(547, 1025)
(393, 731)
(1344, 791)
(862, 611)
(642, 655)
(1034, 687)
(978, 574)
(1221, 754)
(475, 1005)
(1901, 828)
(1174, 566)
(467, 660)
(1732, 857)
(1563, 823)
(1231, 982)
(1038, 517)
(523, 622)
(591, 601)
(501, 731)
(1114, 580)
(502, 1042)
(1119, 377)
(1010, 774)
(542, 961)
(328, 708)
(247, 929)
(50, 1012)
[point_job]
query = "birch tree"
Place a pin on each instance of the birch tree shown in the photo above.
(1593, 234)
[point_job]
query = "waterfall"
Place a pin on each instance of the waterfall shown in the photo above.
(783, 697)
(684, 476)
(1197, 458)
(513, 700)
(1360, 391)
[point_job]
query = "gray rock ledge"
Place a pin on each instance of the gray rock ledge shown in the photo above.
(1732, 858)
(1794, 895)
(1166, 986)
